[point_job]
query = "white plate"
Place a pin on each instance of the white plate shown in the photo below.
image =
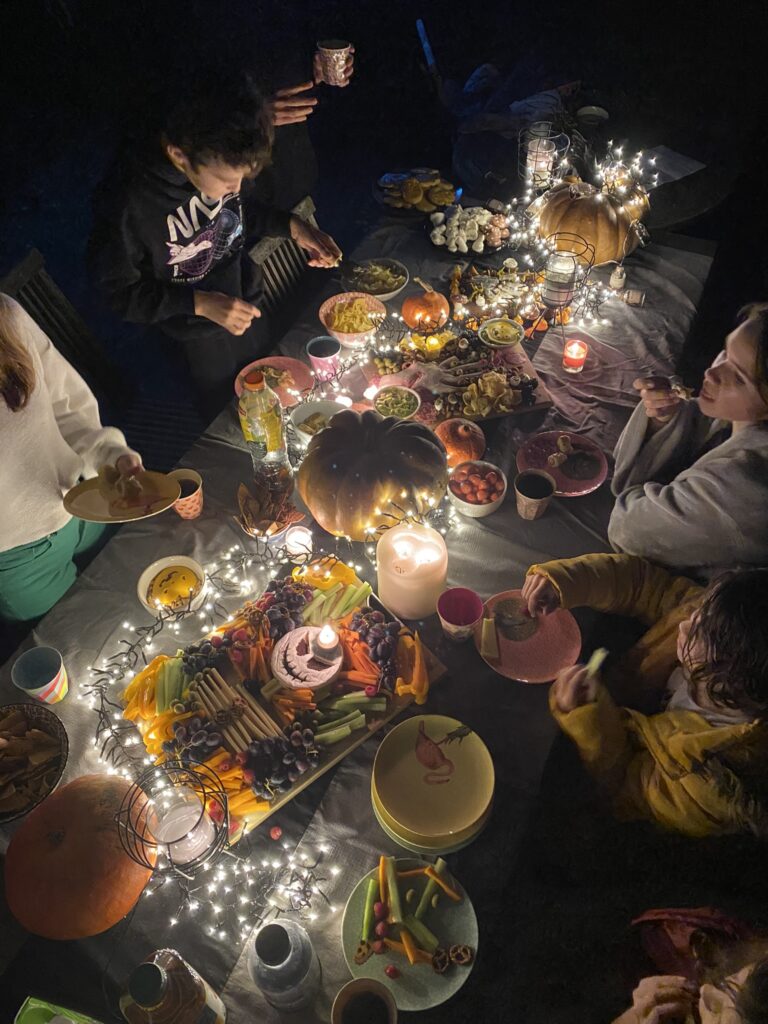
(418, 987)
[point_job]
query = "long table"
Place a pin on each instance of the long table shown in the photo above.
(489, 555)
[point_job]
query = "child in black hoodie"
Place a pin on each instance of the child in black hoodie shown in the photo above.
(175, 220)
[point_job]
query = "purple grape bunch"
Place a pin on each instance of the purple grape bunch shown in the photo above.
(285, 612)
(194, 739)
(381, 637)
(277, 762)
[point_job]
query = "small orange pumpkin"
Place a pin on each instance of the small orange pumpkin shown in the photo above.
(463, 440)
(66, 873)
(427, 312)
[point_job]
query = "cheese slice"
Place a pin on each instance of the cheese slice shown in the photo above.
(489, 645)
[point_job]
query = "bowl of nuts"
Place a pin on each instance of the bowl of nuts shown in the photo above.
(477, 488)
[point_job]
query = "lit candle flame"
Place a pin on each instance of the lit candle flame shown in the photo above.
(327, 636)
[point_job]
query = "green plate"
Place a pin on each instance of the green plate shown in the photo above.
(418, 987)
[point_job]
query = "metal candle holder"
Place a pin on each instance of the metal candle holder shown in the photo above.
(154, 792)
(541, 150)
(566, 268)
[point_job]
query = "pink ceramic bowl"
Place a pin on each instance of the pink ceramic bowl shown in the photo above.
(351, 339)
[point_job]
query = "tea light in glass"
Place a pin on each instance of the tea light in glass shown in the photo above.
(182, 824)
(559, 279)
(574, 356)
(325, 645)
(412, 566)
(540, 161)
(298, 543)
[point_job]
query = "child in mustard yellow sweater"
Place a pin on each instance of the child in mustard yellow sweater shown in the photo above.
(697, 766)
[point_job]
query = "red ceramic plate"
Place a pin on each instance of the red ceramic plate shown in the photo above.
(537, 449)
(301, 377)
(555, 645)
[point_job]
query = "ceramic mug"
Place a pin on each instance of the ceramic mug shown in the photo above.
(333, 54)
(40, 673)
(534, 490)
(324, 354)
(460, 610)
(358, 1001)
(190, 505)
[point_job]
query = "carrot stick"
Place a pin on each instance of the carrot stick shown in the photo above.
(352, 676)
(409, 944)
(431, 873)
(412, 873)
(421, 957)
(383, 879)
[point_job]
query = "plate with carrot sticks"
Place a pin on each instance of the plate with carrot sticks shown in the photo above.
(410, 925)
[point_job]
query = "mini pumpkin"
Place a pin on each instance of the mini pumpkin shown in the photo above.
(363, 466)
(426, 312)
(605, 219)
(66, 873)
(464, 441)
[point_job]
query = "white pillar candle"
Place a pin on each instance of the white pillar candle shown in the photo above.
(412, 565)
(182, 825)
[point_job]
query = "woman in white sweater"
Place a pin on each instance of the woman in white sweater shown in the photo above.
(50, 436)
(691, 478)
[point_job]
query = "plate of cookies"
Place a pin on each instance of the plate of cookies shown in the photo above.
(575, 462)
(421, 190)
(33, 753)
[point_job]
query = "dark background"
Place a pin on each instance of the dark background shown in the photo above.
(77, 74)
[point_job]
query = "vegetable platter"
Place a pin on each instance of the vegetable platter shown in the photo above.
(253, 702)
(409, 925)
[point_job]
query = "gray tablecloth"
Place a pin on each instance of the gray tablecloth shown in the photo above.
(489, 555)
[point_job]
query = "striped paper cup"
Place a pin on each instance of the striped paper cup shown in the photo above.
(40, 673)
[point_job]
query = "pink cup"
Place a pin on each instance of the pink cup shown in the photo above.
(460, 610)
(190, 505)
(324, 356)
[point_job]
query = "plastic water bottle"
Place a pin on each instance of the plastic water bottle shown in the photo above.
(261, 420)
(284, 965)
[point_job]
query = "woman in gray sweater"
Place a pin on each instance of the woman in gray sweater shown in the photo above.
(691, 477)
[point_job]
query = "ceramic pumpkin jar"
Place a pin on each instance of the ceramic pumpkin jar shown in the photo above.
(607, 221)
(464, 441)
(425, 312)
(66, 874)
(363, 465)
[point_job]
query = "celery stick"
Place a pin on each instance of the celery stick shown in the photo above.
(346, 720)
(375, 705)
(161, 701)
(424, 937)
(309, 609)
(270, 688)
(357, 597)
(393, 893)
(371, 896)
(356, 697)
(431, 886)
(342, 607)
(330, 600)
(327, 739)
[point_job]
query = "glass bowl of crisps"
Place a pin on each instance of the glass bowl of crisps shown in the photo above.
(352, 317)
(33, 753)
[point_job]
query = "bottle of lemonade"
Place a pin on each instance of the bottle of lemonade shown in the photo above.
(261, 420)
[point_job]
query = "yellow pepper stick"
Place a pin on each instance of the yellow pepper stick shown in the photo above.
(431, 873)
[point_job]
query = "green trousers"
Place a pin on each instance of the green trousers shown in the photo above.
(34, 576)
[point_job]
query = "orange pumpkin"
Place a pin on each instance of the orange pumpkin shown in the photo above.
(606, 220)
(464, 441)
(363, 466)
(66, 874)
(427, 312)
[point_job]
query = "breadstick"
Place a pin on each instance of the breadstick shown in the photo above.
(229, 696)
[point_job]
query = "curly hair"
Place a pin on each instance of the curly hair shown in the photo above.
(731, 627)
(222, 117)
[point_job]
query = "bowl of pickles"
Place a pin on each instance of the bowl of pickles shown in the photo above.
(398, 401)
(383, 278)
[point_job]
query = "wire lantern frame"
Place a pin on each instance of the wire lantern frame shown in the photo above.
(542, 148)
(138, 816)
(567, 261)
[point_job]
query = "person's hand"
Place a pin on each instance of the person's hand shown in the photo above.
(289, 106)
(234, 315)
(349, 68)
(323, 251)
(540, 595)
(129, 465)
(663, 998)
(574, 687)
(660, 402)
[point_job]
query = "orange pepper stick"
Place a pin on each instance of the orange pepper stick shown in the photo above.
(409, 944)
(412, 873)
(422, 957)
(431, 873)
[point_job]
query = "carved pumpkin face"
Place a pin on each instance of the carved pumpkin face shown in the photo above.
(66, 874)
(603, 219)
(363, 466)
